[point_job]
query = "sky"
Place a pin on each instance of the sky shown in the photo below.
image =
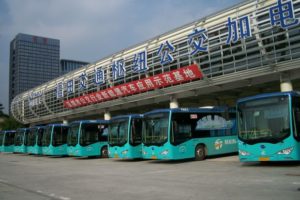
(89, 30)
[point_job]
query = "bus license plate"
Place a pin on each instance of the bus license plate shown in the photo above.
(264, 159)
(153, 157)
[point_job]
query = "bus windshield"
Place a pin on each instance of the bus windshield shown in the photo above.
(136, 131)
(46, 136)
(31, 137)
(60, 134)
(92, 133)
(73, 134)
(40, 132)
(118, 130)
(19, 138)
(155, 129)
(264, 120)
(9, 138)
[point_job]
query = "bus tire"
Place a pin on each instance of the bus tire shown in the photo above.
(200, 152)
(104, 152)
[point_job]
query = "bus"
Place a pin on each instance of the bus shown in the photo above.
(125, 137)
(269, 127)
(182, 133)
(21, 139)
(54, 140)
(88, 138)
(34, 144)
(8, 140)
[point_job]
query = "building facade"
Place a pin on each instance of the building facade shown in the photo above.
(67, 65)
(253, 43)
(34, 60)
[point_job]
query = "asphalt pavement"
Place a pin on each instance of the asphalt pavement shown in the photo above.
(67, 178)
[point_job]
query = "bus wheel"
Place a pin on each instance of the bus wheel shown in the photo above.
(104, 152)
(200, 152)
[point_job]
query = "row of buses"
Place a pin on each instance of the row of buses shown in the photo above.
(262, 128)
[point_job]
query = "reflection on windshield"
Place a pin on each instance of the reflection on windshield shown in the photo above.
(136, 131)
(118, 132)
(46, 136)
(156, 129)
(73, 134)
(19, 138)
(60, 134)
(264, 120)
(31, 137)
(40, 132)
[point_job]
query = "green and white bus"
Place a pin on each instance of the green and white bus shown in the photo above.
(54, 141)
(88, 138)
(34, 144)
(21, 139)
(125, 137)
(269, 127)
(8, 140)
(183, 133)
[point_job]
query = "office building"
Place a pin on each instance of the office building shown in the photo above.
(67, 65)
(34, 60)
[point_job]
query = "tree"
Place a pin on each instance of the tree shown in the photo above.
(11, 124)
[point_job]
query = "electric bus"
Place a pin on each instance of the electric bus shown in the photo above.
(54, 140)
(88, 138)
(181, 133)
(125, 137)
(21, 139)
(8, 140)
(34, 144)
(269, 127)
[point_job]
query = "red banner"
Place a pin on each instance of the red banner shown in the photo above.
(173, 77)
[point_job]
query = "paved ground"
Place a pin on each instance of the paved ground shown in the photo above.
(32, 177)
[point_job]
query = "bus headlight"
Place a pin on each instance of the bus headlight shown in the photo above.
(285, 151)
(244, 153)
(124, 152)
(165, 152)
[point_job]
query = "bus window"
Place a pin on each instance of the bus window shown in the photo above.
(136, 131)
(9, 138)
(91, 133)
(40, 136)
(103, 133)
(181, 127)
(59, 135)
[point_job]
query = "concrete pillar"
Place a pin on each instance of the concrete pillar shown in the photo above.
(107, 115)
(173, 102)
(65, 121)
(285, 83)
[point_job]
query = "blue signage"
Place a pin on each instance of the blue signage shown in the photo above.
(196, 40)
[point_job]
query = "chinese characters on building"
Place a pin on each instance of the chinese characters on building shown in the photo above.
(238, 28)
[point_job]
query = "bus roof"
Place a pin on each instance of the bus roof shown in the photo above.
(8, 131)
(22, 129)
(91, 121)
(127, 116)
(194, 110)
(57, 125)
(266, 95)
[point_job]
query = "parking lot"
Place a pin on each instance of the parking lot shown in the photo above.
(36, 177)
